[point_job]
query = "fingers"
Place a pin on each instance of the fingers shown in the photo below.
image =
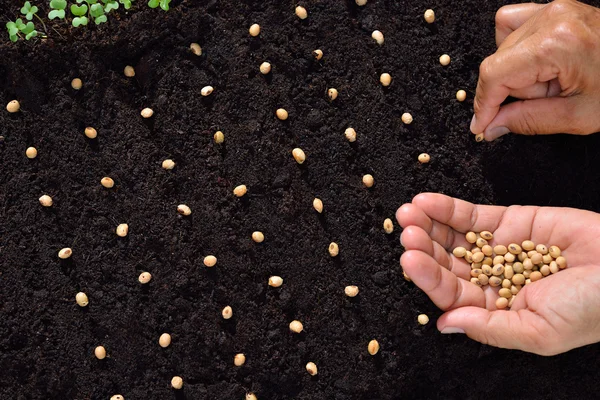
(540, 117)
(444, 288)
(510, 18)
(523, 329)
(538, 90)
(411, 215)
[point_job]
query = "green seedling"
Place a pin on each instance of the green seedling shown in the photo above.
(97, 12)
(79, 15)
(57, 9)
(164, 4)
(17, 29)
(126, 3)
(28, 10)
(110, 5)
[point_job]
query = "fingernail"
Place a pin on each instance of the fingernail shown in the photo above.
(473, 122)
(450, 329)
(401, 242)
(496, 132)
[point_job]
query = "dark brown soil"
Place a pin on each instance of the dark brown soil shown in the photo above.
(47, 341)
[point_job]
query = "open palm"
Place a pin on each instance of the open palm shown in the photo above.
(550, 316)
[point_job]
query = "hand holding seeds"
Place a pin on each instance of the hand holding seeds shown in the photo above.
(557, 302)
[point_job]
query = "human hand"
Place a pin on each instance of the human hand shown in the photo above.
(548, 55)
(549, 316)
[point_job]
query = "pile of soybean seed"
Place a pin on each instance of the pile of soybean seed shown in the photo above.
(509, 267)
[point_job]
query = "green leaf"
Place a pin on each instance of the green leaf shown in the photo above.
(153, 3)
(31, 34)
(33, 10)
(126, 4)
(100, 20)
(56, 14)
(79, 10)
(96, 10)
(30, 27)
(58, 4)
(12, 28)
(164, 4)
(25, 8)
(111, 6)
(77, 21)
(13, 38)
(20, 24)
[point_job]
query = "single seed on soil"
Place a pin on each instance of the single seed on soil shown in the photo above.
(350, 134)
(254, 30)
(479, 137)
(239, 359)
(444, 59)
(258, 236)
(554, 251)
(210, 261)
(500, 250)
(351, 291)
(46, 201)
(240, 190)
(332, 93)
(429, 16)
(318, 205)
(164, 340)
(385, 79)
(184, 210)
(373, 347)
(301, 12)
(487, 235)
(360, 3)
(219, 137)
(282, 114)
(459, 252)
(407, 118)
(122, 230)
(265, 68)
(227, 312)
(481, 242)
(129, 71)
(378, 37)
(317, 54)
(275, 281)
(177, 382)
(296, 326)
(461, 95)
(311, 368)
(528, 245)
(423, 319)
(368, 180)
(424, 158)
(90, 132)
(333, 249)
(13, 106)
(65, 253)
(561, 262)
(251, 396)
(117, 397)
(107, 182)
(31, 152)
(299, 155)
(471, 237)
(406, 277)
(100, 352)
(502, 303)
(168, 164)
(388, 226)
(145, 277)
(76, 83)
(206, 91)
(542, 249)
(82, 299)
(535, 276)
(196, 49)
(147, 112)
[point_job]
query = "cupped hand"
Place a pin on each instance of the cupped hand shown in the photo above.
(549, 56)
(549, 316)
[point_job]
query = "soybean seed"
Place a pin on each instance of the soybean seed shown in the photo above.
(429, 16)
(542, 249)
(527, 274)
(147, 112)
(122, 230)
(351, 291)
(545, 270)
(487, 270)
(240, 190)
(469, 257)
(478, 257)
(210, 261)
(424, 158)
(275, 281)
(561, 262)
(554, 251)
(258, 237)
(196, 49)
(265, 68)
(471, 237)
(145, 277)
(318, 205)
(129, 71)
(227, 312)
(504, 292)
(332, 93)
(476, 250)
(184, 210)
(494, 281)
(100, 352)
(518, 267)
(498, 269)
(378, 37)
(406, 277)
(317, 54)
(509, 258)
(90, 133)
(488, 261)
(368, 180)
(177, 382)
(311, 368)
(528, 245)
(46, 201)
(528, 264)
(117, 397)
(475, 281)
(554, 267)
(82, 299)
(487, 235)
(296, 326)
(65, 253)
(373, 347)
(360, 3)
(333, 249)
(164, 340)
(76, 83)
(475, 272)
(239, 359)
(31, 152)
(498, 260)
(483, 279)
(500, 250)
(547, 258)
(388, 226)
(407, 118)
(251, 396)
(535, 276)
(514, 289)
(536, 259)
(385, 79)
(13, 106)
(282, 114)
(459, 252)
(168, 164)
(514, 248)
(461, 95)
(107, 182)
(423, 319)
(206, 91)
(487, 250)
(475, 265)
(479, 137)
(219, 137)
(509, 272)
(522, 256)
(506, 283)
(350, 134)
(299, 155)
(444, 59)
(254, 30)
(301, 12)
(481, 242)
(502, 303)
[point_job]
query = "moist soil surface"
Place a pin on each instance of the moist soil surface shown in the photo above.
(47, 342)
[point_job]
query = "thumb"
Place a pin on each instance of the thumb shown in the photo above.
(522, 330)
(537, 117)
